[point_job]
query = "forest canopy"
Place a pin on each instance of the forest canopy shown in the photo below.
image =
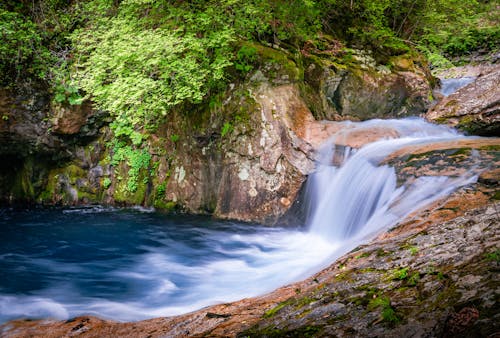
(138, 59)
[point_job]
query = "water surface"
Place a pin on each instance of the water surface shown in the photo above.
(131, 265)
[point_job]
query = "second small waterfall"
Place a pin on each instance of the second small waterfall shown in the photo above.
(354, 196)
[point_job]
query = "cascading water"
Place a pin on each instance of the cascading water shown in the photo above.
(130, 266)
(449, 86)
(356, 197)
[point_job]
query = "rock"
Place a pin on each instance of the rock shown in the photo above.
(474, 108)
(363, 90)
(69, 119)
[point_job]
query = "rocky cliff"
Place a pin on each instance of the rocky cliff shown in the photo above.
(243, 156)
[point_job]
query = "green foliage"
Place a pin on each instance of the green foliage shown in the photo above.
(136, 160)
(21, 48)
(106, 183)
(245, 57)
(388, 313)
(226, 128)
(410, 278)
(160, 190)
(67, 93)
(139, 59)
(401, 274)
(174, 137)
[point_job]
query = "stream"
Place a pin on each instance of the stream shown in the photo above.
(133, 264)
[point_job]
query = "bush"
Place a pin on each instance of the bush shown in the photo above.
(21, 49)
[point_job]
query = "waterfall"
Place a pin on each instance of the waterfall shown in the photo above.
(449, 86)
(166, 265)
(354, 197)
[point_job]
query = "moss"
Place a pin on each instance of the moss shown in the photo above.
(493, 147)
(461, 151)
(382, 253)
(88, 197)
(400, 274)
(388, 313)
(74, 172)
(296, 303)
(270, 313)
(166, 206)
(413, 279)
(339, 318)
(363, 255)
(301, 302)
(343, 276)
(273, 331)
(46, 196)
(273, 60)
(122, 193)
(493, 256)
(446, 297)
(27, 190)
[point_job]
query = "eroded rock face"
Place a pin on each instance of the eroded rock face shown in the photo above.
(253, 172)
(69, 120)
(474, 108)
(263, 175)
(38, 138)
(366, 90)
(24, 122)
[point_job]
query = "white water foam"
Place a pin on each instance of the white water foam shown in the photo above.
(360, 198)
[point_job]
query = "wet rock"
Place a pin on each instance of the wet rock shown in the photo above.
(474, 108)
(365, 90)
(69, 119)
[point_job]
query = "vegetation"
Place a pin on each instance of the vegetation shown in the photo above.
(388, 313)
(141, 59)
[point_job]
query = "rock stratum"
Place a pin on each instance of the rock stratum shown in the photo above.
(474, 108)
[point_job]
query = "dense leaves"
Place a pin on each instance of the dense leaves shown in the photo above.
(21, 48)
(138, 59)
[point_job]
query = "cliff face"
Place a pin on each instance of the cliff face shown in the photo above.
(243, 156)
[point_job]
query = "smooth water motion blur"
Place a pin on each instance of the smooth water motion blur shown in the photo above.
(132, 265)
(451, 85)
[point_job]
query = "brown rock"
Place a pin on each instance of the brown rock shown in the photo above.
(69, 119)
(474, 108)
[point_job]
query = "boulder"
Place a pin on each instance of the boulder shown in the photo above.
(362, 90)
(474, 108)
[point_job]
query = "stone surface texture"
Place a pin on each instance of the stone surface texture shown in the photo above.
(474, 108)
